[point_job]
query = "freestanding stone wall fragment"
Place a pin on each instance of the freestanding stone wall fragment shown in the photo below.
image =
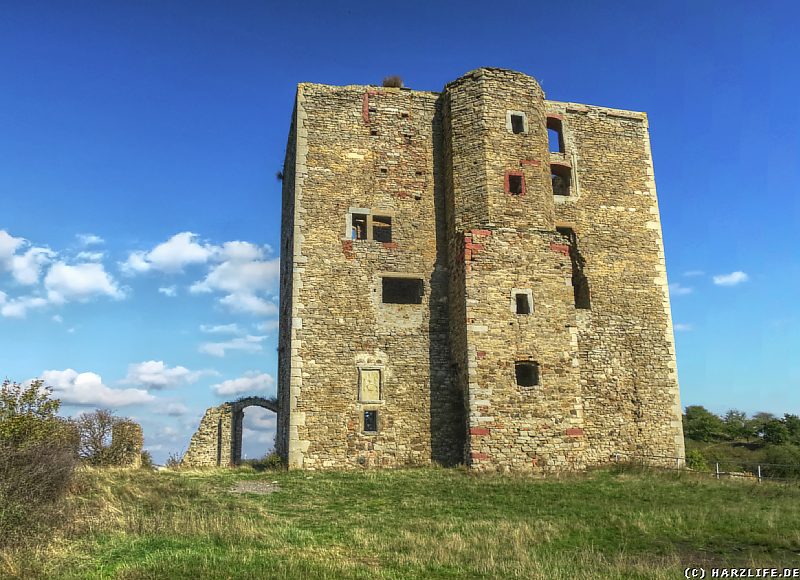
(458, 285)
(218, 440)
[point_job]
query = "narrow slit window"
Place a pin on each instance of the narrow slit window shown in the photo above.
(370, 421)
(523, 303)
(516, 184)
(527, 373)
(381, 228)
(561, 178)
(402, 290)
(555, 135)
(359, 226)
(517, 124)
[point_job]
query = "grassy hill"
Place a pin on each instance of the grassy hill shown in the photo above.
(422, 523)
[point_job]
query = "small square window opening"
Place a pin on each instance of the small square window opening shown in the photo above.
(370, 421)
(527, 373)
(523, 303)
(381, 228)
(515, 184)
(561, 178)
(555, 135)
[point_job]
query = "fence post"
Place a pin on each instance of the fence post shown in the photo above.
(717, 464)
(759, 474)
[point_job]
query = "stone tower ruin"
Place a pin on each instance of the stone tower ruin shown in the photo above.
(473, 276)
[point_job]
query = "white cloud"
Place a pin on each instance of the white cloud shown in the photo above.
(80, 282)
(693, 273)
(676, 289)
(57, 318)
(682, 327)
(156, 375)
(8, 246)
(249, 304)
(18, 307)
(170, 291)
(246, 344)
(731, 279)
(243, 271)
(251, 382)
(89, 239)
(171, 256)
(87, 389)
(90, 256)
(261, 419)
(221, 329)
(26, 268)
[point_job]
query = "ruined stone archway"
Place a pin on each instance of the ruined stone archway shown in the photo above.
(218, 440)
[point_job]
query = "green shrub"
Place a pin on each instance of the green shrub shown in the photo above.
(37, 459)
(696, 460)
(783, 461)
(146, 461)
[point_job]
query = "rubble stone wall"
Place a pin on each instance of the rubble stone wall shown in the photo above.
(439, 376)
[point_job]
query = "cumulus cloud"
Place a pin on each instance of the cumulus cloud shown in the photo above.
(243, 270)
(221, 329)
(170, 291)
(171, 256)
(247, 343)
(260, 419)
(677, 289)
(87, 389)
(87, 256)
(267, 326)
(731, 279)
(18, 307)
(156, 375)
(8, 246)
(27, 268)
(251, 382)
(249, 304)
(89, 239)
(79, 282)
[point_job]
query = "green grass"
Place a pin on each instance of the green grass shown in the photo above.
(422, 523)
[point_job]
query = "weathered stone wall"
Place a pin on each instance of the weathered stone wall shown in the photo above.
(218, 440)
(439, 166)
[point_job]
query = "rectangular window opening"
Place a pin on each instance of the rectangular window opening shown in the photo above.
(523, 303)
(561, 178)
(527, 373)
(517, 124)
(555, 135)
(370, 421)
(359, 226)
(381, 228)
(580, 283)
(402, 290)
(515, 184)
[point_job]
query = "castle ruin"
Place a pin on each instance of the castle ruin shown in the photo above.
(474, 276)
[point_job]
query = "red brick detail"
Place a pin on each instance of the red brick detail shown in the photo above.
(560, 248)
(402, 194)
(365, 107)
(535, 461)
(481, 232)
(555, 116)
(574, 432)
(479, 431)
(517, 173)
(347, 249)
(532, 162)
(390, 245)
(478, 455)
(481, 354)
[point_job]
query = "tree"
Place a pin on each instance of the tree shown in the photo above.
(95, 431)
(737, 426)
(701, 424)
(28, 413)
(776, 432)
(792, 423)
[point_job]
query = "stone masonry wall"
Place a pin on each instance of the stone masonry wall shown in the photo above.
(441, 374)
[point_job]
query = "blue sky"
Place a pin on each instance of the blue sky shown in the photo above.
(139, 208)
